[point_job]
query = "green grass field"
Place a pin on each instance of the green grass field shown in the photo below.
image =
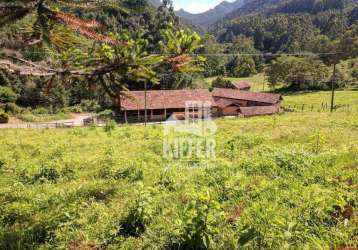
(43, 118)
(278, 182)
(317, 98)
(259, 82)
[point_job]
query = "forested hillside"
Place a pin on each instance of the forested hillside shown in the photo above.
(325, 32)
(278, 25)
(57, 55)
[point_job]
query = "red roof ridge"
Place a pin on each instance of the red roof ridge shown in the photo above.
(169, 99)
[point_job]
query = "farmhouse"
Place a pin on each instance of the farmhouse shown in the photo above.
(161, 104)
(234, 102)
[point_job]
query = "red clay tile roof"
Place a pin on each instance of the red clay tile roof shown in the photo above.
(242, 85)
(169, 99)
(223, 103)
(268, 98)
(259, 110)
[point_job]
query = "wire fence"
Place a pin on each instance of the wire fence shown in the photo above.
(50, 125)
(322, 107)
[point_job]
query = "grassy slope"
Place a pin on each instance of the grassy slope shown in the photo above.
(78, 187)
(43, 118)
(317, 98)
(259, 82)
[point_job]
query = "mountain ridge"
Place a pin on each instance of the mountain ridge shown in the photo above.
(156, 3)
(207, 18)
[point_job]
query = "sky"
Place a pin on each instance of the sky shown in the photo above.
(196, 6)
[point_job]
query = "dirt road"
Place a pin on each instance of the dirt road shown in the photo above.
(76, 121)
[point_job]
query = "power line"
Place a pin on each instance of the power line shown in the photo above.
(240, 54)
(258, 54)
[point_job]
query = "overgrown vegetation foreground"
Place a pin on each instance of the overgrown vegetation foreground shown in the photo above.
(277, 182)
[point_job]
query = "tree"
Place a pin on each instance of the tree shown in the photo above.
(245, 67)
(221, 82)
(178, 48)
(7, 95)
(245, 45)
(298, 73)
(117, 61)
(214, 64)
(323, 45)
(348, 44)
(241, 66)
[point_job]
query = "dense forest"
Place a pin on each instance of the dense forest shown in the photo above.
(287, 26)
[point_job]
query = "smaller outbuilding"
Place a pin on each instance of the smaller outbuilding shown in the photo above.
(243, 86)
(232, 102)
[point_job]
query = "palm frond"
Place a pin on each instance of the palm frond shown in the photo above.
(78, 22)
(85, 28)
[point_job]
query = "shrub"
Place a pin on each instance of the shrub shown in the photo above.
(106, 114)
(139, 216)
(89, 106)
(294, 160)
(7, 95)
(2, 164)
(166, 181)
(198, 224)
(221, 82)
(76, 109)
(40, 111)
(110, 126)
(12, 108)
(47, 174)
(4, 118)
(131, 173)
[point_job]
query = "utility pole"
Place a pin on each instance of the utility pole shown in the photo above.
(145, 104)
(263, 83)
(333, 81)
(336, 60)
